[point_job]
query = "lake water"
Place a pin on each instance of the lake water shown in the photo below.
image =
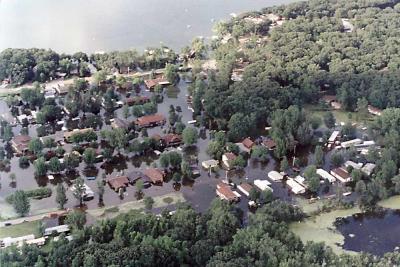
(376, 233)
(104, 25)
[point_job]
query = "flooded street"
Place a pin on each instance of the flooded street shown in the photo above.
(199, 192)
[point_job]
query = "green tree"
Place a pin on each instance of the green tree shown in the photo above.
(171, 73)
(35, 146)
(40, 167)
(284, 164)
(55, 165)
(21, 203)
(79, 190)
(76, 219)
(329, 120)
(139, 188)
(176, 177)
(89, 156)
(148, 203)
(189, 136)
(100, 190)
(71, 161)
(319, 156)
(260, 152)
(61, 197)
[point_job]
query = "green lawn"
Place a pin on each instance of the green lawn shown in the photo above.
(340, 115)
(16, 230)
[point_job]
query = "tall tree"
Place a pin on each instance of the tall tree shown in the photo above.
(61, 197)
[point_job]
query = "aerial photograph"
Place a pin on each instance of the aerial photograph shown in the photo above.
(215, 133)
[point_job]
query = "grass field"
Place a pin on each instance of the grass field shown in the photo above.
(25, 228)
(340, 115)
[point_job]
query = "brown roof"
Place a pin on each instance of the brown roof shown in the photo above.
(118, 182)
(75, 131)
(230, 156)
(153, 82)
(247, 187)
(21, 142)
(119, 123)
(150, 119)
(341, 172)
(269, 143)
(172, 138)
(137, 100)
(248, 143)
(226, 191)
(155, 175)
(329, 98)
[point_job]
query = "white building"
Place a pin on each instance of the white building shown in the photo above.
(10, 241)
(356, 166)
(263, 185)
(326, 175)
(368, 169)
(350, 143)
(58, 229)
(295, 187)
(275, 176)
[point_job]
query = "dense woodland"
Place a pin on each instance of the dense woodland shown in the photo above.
(20, 66)
(187, 238)
(310, 54)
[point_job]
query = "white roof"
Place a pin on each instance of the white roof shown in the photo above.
(356, 166)
(351, 143)
(211, 163)
(368, 168)
(295, 187)
(263, 184)
(59, 229)
(333, 137)
(275, 176)
(88, 191)
(326, 175)
(9, 241)
(301, 181)
(38, 241)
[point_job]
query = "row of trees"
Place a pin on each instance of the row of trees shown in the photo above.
(215, 238)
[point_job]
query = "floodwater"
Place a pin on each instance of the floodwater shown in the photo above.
(199, 192)
(375, 233)
(103, 25)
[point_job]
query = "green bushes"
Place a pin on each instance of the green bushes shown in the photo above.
(38, 193)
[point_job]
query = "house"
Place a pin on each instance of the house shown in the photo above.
(328, 99)
(135, 176)
(64, 228)
(325, 175)
(118, 123)
(275, 176)
(225, 192)
(37, 241)
(341, 174)
(374, 110)
(352, 164)
(150, 84)
(50, 92)
(20, 143)
(137, 100)
(295, 187)
(61, 89)
(118, 182)
(334, 137)
(228, 160)
(301, 181)
(336, 105)
(245, 188)
(68, 135)
(10, 241)
(210, 164)
(150, 121)
(269, 143)
(263, 185)
(246, 145)
(171, 140)
(368, 169)
(156, 176)
(350, 143)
